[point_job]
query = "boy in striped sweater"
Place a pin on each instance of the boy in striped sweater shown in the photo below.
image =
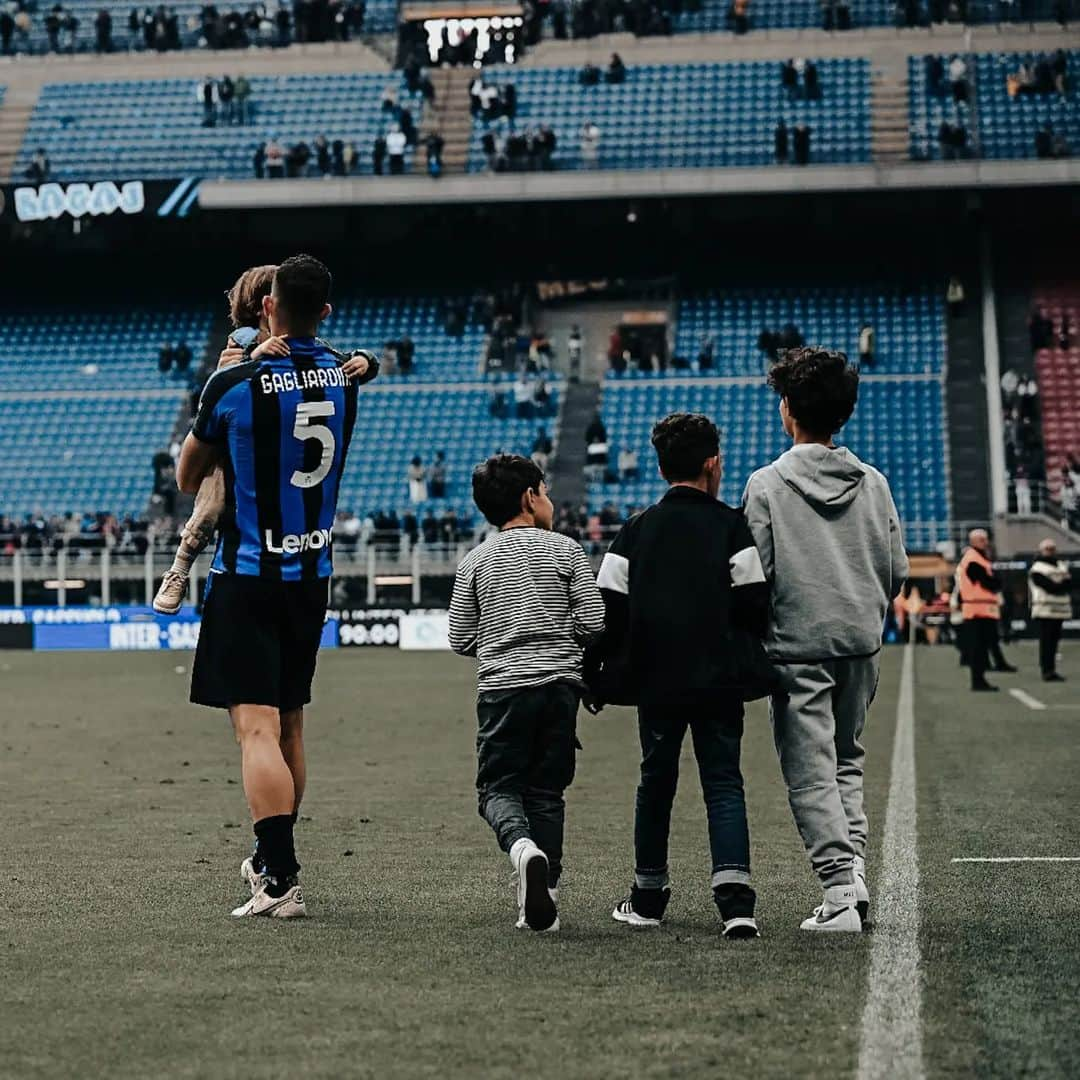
(525, 602)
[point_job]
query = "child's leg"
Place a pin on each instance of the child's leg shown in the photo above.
(199, 530)
(856, 684)
(504, 751)
(805, 733)
(555, 760)
(661, 731)
(717, 746)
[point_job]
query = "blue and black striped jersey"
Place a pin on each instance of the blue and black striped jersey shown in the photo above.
(285, 425)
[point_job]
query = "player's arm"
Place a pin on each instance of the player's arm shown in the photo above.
(196, 459)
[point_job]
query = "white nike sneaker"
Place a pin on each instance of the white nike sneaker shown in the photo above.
(838, 912)
(534, 899)
(171, 593)
(862, 892)
(288, 906)
(250, 876)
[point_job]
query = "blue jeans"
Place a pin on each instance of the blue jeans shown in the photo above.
(717, 730)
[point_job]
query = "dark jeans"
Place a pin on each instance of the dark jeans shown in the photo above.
(717, 730)
(526, 750)
(1049, 637)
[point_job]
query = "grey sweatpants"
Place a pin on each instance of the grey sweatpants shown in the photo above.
(818, 719)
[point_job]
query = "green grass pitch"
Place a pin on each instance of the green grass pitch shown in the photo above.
(124, 824)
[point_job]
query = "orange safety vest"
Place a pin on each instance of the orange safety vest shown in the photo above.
(976, 601)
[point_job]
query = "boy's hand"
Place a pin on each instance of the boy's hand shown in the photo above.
(592, 704)
(272, 346)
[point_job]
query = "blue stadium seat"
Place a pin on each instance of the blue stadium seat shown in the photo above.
(690, 115)
(898, 427)
(151, 129)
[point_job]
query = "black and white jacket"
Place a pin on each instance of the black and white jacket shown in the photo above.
(687, 607)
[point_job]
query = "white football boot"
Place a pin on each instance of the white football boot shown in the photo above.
(288, 906)
(250, 876)
(837, 914)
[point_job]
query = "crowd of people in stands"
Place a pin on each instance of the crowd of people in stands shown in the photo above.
(225, 99)
(160, 28)
(80, 535)
(174, 357)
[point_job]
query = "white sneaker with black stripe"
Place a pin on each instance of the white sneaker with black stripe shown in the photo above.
(837, 914)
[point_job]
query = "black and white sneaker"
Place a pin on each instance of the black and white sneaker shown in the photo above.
(736, 902)
(643, 908)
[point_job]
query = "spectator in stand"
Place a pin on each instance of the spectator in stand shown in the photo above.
(769, 342)
(791, 337)
(437, 477)
(40, 168)
(52, 28)
(395, 150)
(322, 155)
(628, 464)
(226, 93)
(811, 82)
(390, 98)
(867, 345)
(590, 144)
(378, 154)
(955, 296)
(590, 75)
(207, 95)
(165, 358)
(789, 79)
(433, 146)
(275, 159)
(705, 354)
(406, 355)
(958, 79)
(616, 72)
(780, 143)
(102, 31)
(573, 354)
(1065, 333)
(283, 24)
(242, 93)
(935, 75)
(596, 432)
(801, 143)
(523, 397)
(739, 16)
(349, 158)
(416, 475)
(541, 448)
(1040, 330)
(542, 398)
(1059, 68)
(1060, 147)
(1023, 490)
(1070, 502)
(182, 357)
(1044, 142)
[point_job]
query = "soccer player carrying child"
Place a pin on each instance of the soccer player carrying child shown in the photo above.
(831, 546)
(524, 603)
(250, 340)
(686, 607)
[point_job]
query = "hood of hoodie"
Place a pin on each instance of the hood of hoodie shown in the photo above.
(828, 479)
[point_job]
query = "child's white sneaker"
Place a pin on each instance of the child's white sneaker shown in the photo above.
(837, 913)
(535, 902)
(521, 924)
(862, 892)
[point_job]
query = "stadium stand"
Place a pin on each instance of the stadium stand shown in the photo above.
(53, 463)
(74, 349)
(690, 115)
(999, 124)
(898, 427)
(153, 128)
(908, 323)
(1058, 371)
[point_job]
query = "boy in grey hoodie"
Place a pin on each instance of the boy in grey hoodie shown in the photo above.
(831, 547)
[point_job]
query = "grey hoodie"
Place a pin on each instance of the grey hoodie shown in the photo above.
(830, 543)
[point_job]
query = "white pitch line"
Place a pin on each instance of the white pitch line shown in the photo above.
(1026, 699)
(890, 1046)
(1021, 858)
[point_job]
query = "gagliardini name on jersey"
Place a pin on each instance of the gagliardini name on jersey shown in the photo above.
(280, 382)
(294, 543)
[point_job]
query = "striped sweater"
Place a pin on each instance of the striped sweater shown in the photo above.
(525, 602)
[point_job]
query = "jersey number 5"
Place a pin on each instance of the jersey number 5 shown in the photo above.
(307, 427)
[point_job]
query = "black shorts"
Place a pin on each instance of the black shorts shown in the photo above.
(259, 641)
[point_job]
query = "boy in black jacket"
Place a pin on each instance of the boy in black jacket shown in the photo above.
(686, 608)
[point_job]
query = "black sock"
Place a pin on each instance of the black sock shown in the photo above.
(274, 840)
